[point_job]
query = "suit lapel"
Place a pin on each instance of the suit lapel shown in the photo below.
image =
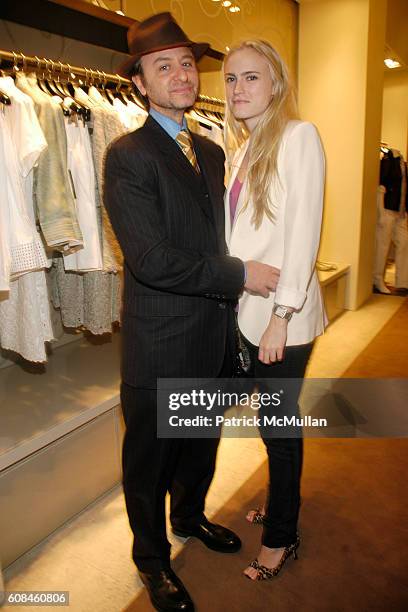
(178, 163)
(205, 161)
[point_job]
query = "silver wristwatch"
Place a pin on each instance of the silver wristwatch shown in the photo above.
(282, 311)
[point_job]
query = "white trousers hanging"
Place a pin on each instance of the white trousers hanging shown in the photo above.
(391, 227)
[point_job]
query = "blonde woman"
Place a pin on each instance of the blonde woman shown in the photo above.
(273, 212)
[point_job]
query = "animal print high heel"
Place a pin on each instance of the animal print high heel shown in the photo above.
(266, 573)
(257, 518)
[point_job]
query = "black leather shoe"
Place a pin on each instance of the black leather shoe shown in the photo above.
(213, 536)
(166, 591)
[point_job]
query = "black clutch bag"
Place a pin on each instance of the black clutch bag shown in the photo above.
(242, 364)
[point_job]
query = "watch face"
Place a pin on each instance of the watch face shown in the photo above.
(282, 312)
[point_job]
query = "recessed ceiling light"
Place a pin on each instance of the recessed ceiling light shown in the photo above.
(390, 63)
(226, 3)
(234, 9)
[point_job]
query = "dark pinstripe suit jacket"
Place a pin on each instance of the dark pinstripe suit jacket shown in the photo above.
(180, 285)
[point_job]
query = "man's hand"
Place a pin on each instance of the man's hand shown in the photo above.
(261, 279)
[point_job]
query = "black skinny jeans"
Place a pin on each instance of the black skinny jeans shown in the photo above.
(285, 455)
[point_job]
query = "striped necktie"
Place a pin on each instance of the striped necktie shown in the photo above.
(186, 144)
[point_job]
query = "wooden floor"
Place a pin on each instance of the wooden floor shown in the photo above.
(354, 528)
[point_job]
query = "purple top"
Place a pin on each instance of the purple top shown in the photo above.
(233, 198)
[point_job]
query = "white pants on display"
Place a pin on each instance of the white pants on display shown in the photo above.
(392, 226)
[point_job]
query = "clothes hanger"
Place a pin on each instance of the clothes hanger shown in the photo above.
(110, 96)
(125, 93)
(85, 111)
(107, 95)
(82, 86)
(80, 108)
(130, 92)
(210, 116)
(63, 86)
(41, 79)
(50, 80)
(70, 78)
(91, 83)
(57, 82)
(4, 98)
(69, 101)
(15, 68)
(122, 94)
(198, 116)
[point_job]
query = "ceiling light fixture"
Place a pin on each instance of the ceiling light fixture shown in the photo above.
(226, 3)
(390, 63)
(234, 9)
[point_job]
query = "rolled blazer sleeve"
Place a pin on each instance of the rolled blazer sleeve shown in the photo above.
(303, 180)
(132, 202)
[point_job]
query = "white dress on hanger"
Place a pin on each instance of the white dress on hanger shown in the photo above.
(25, 321)
(22, 141)
(5, 221)
(106, 127)
(81, 169)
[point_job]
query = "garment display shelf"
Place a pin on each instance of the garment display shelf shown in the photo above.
(334, 285)
(85, 22)
(60, 441)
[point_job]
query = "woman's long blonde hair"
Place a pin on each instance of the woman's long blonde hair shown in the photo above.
(266, 137)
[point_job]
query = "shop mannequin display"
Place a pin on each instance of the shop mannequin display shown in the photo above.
(179, 297)
(392, 206)
(276, 219)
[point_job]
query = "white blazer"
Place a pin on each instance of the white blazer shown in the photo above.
(290, 242)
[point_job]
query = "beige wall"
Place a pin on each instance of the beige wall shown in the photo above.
(273, 20)
(397, 28)
(372, 132)
(395, 111)
(340, 56)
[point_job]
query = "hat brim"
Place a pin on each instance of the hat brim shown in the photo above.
(126, 68)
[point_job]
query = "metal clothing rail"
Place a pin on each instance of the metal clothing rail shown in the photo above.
(11, 60)
(211, 101)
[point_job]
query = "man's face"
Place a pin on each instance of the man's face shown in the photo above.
(169, 80)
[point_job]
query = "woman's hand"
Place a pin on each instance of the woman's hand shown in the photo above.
(273, 341)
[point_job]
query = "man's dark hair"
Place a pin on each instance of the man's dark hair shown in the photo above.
(138, 70)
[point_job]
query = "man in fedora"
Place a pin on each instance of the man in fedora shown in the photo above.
(164, 192)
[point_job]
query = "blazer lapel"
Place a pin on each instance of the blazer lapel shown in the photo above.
(177, 162)
(233, 175)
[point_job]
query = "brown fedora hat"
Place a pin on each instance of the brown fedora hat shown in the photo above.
(157, 33)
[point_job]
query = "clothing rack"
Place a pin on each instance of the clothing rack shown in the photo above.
(10, 60)
(211, 101)
(14, 61)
